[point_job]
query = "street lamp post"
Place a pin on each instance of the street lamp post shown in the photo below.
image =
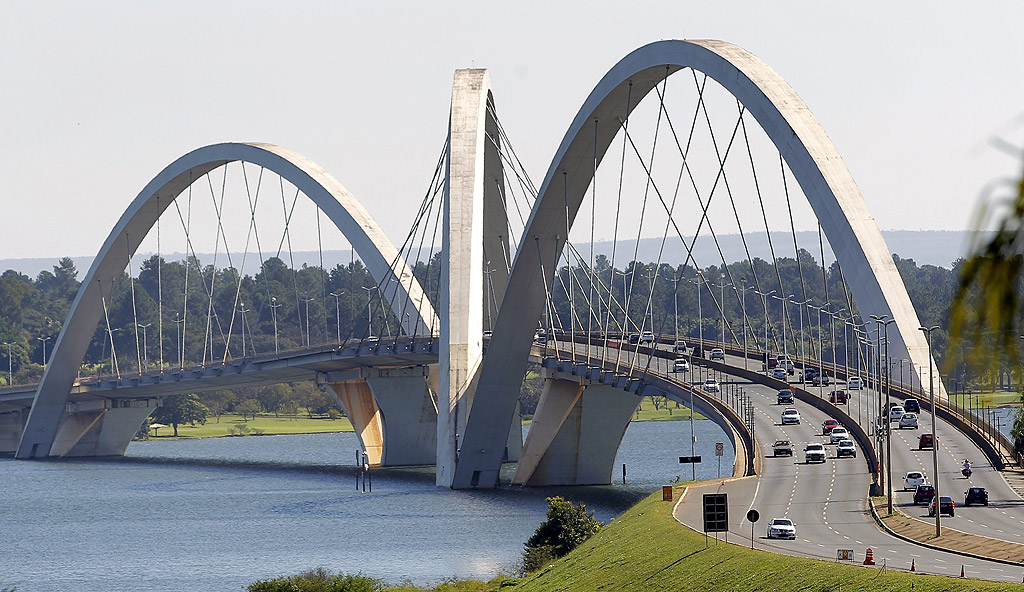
(803, 351)
(43, 340)
(883, 327)
(935, 435)
(722, 307)
(785, 339)
(369, 319)
(337, 310)
(309, 332)
(273, 311)
(10, 364)
(764, 302)
(242, 309)
(700, 314)
(181, 354)
(145, 344)
(743, 309)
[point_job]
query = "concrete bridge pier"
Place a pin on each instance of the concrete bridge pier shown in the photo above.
(575, 433)
(102, 427)
(12, 424)
(393, 412)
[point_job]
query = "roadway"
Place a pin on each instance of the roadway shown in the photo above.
(828, 502)
(1002, 519)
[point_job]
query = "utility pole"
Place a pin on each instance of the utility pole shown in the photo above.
(337, 310)
(935, 435)
(273, 312)
(10, 364)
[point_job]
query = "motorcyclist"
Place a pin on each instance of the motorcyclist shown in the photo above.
(967, 467)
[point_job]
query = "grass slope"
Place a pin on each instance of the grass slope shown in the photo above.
(646, 549)
(267, 423)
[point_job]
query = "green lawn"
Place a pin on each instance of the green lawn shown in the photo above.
(646, 549)
(987, 399)
(270, 425)
(267, 424)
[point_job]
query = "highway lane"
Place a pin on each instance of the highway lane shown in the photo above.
(1003, 518)
(828, 502)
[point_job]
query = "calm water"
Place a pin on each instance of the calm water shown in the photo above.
(216, 514)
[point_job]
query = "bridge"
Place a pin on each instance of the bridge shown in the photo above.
(496, 271)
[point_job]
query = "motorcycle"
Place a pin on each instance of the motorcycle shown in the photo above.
(966, 472)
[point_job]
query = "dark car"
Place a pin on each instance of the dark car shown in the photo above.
(912, 406)
(785, 397)
(838, 397)
(698, 351)
(946, 506)
(826, 428)
(809, 373)
(926, 442)
(924, 494)
(634, 338)
(975, 495)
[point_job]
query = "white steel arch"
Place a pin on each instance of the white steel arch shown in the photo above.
(340, 206)
(833, 195)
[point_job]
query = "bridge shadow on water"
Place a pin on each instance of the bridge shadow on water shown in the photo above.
(388, 484)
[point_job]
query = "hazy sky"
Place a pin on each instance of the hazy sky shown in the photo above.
(98, 97)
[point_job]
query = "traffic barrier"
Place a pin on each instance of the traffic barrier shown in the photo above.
(962, 575)
(913, 565)
(869, 557)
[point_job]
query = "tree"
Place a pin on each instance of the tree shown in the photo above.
(248, 408)
(179, 409)
(986, 314)
(566, 527)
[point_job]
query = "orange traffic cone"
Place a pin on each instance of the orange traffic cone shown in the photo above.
(913, 566)
(962, 575)
(869, 557)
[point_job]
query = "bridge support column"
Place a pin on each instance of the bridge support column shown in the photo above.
(12, 423)
(100, 428)
(357, 400)
(575, 434)
(393, 413)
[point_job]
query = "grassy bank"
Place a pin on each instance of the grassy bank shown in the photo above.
(229, 424)
(646, 549)
(265, 424)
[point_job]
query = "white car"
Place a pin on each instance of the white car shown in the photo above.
(896, 413)
(781, 528)
(846, 448)
(837, 435)
(680, 347)
(854, 383)
(717, 354)
(681, 365)
(790, 415)
(711, 385)
(814, 452)
(779, 373)
(647, 337)
(913, 479)
(909, 420)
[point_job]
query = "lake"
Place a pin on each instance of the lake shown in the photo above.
(219, 513)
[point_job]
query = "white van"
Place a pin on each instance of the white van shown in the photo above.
(854, 383)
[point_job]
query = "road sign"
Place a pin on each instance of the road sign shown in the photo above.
(719, 449)
(689, 459)
(753, 515)
(716, 512)
(844, 555)
(666, 493)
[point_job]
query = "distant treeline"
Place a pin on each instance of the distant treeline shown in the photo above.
(343, 300)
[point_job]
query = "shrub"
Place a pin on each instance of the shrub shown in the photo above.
(566, 527)
(318, 580)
